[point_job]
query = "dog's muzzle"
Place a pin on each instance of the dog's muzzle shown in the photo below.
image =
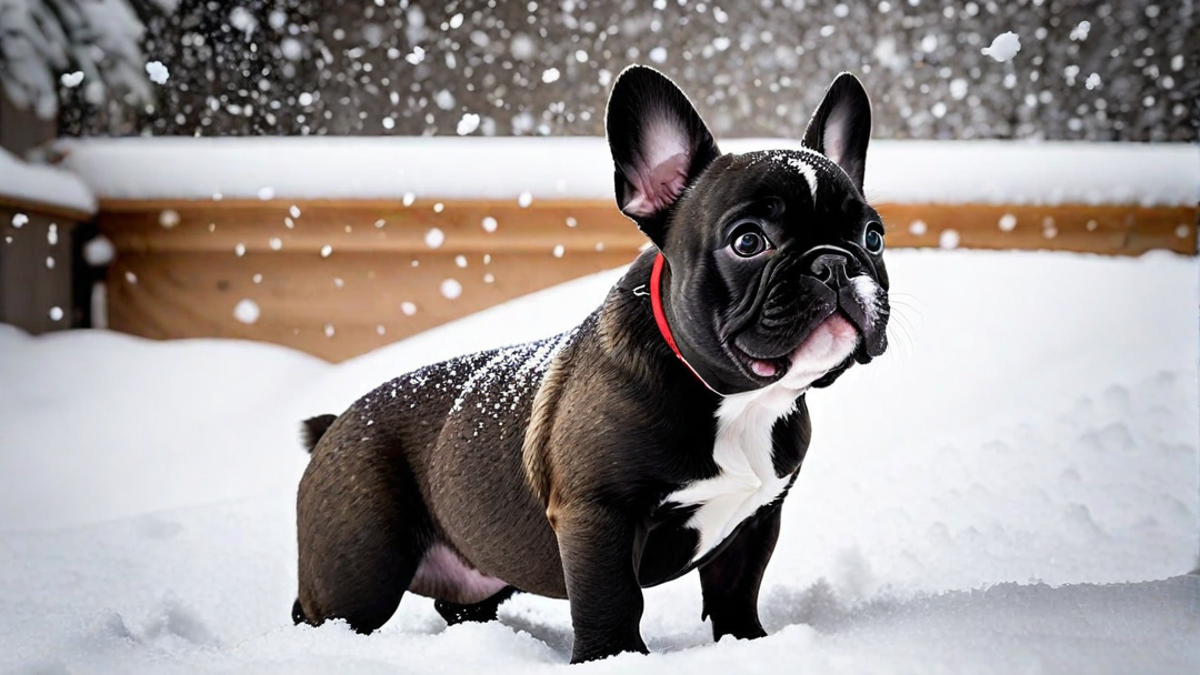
(804, 291)
(834, 267)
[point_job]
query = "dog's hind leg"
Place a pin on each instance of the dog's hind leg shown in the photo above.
(479, 612)
(362, 531)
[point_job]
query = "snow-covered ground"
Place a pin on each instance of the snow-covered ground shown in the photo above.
(1012, 488)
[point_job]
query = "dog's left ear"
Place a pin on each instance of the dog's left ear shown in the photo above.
(659, 146)
(841, 127)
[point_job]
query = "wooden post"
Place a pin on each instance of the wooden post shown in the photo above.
(36, 263)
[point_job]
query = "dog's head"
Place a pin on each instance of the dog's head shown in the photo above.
(774, 260)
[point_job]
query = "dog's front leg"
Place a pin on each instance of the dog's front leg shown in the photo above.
(730, 581)
(597, 549)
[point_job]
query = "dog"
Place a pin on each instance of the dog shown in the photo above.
(658, 437)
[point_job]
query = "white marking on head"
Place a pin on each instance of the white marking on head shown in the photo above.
(810, 175)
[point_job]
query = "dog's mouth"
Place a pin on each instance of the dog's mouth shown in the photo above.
(826, 347)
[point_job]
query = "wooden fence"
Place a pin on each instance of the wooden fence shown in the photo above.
(338, 278)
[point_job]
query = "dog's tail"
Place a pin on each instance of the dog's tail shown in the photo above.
(313, 428)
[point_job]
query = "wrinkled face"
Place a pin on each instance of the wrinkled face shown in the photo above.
(774, 272)
(777, 274)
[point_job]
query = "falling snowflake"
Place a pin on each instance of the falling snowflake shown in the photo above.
(247, 311)
(948, 239)
(451, 289)
(434, 238)
(157, 72)
(1004, 47)
(468, 124)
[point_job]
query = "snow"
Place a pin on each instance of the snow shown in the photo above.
(434, 238)
(247, 311)
(451, 289)
(1005, 46)
(468, 124)
(157, 72)
(991, 172)
(1011, 488)
(45, 185)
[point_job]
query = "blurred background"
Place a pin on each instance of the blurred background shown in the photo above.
(1088, 70)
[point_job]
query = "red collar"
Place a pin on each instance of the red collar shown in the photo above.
(660, 316)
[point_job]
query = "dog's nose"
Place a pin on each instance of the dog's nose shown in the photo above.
(827, 266)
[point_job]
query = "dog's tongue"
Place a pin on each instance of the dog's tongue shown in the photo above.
(762, 368)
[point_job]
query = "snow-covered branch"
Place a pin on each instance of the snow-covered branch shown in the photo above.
(92, 43)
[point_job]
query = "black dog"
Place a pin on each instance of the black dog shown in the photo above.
(658, 437)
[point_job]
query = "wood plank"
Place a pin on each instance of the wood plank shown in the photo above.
(1106, 229)
(269, 226)
(189, 275)
(51, 210)
(358, 298)
(389, 226)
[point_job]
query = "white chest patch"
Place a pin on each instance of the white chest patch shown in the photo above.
(743, 452)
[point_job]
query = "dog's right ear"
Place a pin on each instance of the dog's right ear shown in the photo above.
(659, 146)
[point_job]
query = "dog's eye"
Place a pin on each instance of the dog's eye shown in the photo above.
(873, 239)
(749, 242)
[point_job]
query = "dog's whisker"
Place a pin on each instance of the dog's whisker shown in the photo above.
(900, 342)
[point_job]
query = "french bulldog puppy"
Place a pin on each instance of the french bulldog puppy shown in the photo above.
(658, 437)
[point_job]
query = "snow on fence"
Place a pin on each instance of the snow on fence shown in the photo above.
(338, 246)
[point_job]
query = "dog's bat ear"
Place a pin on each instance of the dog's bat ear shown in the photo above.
(659, 145)
(841, 127)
